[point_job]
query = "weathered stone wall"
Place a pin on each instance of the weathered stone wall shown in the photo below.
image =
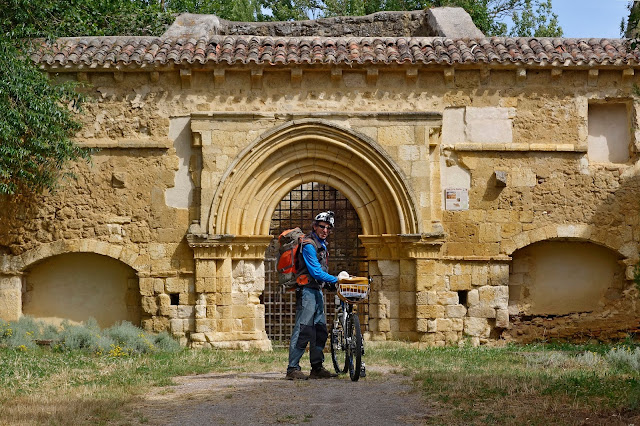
(445, 22)
(519, 135)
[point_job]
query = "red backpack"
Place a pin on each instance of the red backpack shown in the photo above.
(289, 242)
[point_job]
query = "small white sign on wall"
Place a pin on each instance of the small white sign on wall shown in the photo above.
(456, 199)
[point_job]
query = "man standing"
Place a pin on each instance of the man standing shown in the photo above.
(311, 324)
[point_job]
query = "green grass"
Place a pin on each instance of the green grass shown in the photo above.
(533, 384)
(44, 386)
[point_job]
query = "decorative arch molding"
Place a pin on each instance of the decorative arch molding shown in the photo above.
(312, 150)
(576, 232)
(21, 262)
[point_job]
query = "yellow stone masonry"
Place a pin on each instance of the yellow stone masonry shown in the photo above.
(184, 186)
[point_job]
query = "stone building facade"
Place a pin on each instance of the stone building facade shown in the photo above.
(496, 179)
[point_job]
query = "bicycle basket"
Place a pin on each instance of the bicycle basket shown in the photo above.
(353, 289)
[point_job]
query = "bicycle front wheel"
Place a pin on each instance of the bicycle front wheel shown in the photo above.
(355, 347)
(339, 352)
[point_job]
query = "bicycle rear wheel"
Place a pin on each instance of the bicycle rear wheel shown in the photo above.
(339, 352)
(355, 347)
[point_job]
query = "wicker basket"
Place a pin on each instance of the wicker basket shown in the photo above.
(353, 289)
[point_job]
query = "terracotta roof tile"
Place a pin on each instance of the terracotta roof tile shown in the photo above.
(113, 51)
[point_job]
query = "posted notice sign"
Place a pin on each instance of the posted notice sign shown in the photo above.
(456, 199)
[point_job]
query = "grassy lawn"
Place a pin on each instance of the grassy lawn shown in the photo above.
(538, 384)
(534, 384)
(43, 386)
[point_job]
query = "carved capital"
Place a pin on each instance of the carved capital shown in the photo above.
(402, 246)
(225, 246)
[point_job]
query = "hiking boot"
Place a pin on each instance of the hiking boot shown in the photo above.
(321, 373)
(296, 375)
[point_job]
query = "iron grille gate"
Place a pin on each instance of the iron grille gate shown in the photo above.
(346, 253)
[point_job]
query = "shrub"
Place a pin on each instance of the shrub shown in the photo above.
(134, 340)
(548, 359)
(83, 337)
(624, 358)
(21, 334)
(589, 359)
(122, 339)
(165, 343)
(130, 338)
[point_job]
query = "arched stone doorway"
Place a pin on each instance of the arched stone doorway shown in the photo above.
(79, 286)
(345, 252)
(311, 151)
(233, 234)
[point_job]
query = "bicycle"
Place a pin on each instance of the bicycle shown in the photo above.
(346, 336)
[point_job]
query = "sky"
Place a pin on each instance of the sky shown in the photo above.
(590, 18)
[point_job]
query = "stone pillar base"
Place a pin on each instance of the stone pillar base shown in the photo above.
(222, 340)
(198, 341)
(10, 297)
(246, 345)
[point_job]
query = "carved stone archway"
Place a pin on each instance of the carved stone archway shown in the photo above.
(312, 151)
(230, 242)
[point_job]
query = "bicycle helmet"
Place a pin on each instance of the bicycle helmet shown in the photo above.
(325, 217)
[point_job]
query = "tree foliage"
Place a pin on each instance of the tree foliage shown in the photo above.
(151, 17)
(629, 26)
(69, 18)
(530, 17)
(541, 23)
(36, 124)
(38, 121)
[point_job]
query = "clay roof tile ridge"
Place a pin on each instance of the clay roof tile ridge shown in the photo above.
(268, 49)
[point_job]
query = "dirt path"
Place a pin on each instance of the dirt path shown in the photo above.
(382, 398)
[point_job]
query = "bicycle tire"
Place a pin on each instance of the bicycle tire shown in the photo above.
(355, 347)
(339, 352)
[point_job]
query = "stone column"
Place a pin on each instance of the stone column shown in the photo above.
(10, 297)
(228, 282)
(428, 311)
(399, 289)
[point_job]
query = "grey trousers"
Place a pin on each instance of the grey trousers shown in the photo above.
(310, 327)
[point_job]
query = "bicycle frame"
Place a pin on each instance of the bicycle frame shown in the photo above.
(346, 337)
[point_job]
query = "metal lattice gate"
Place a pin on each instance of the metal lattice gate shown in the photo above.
(346, 253)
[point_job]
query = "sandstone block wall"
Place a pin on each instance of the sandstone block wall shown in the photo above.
(391, 140)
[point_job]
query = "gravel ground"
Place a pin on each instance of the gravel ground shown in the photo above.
(382, 398)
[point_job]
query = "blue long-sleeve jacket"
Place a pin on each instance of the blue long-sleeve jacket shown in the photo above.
(310, 257)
